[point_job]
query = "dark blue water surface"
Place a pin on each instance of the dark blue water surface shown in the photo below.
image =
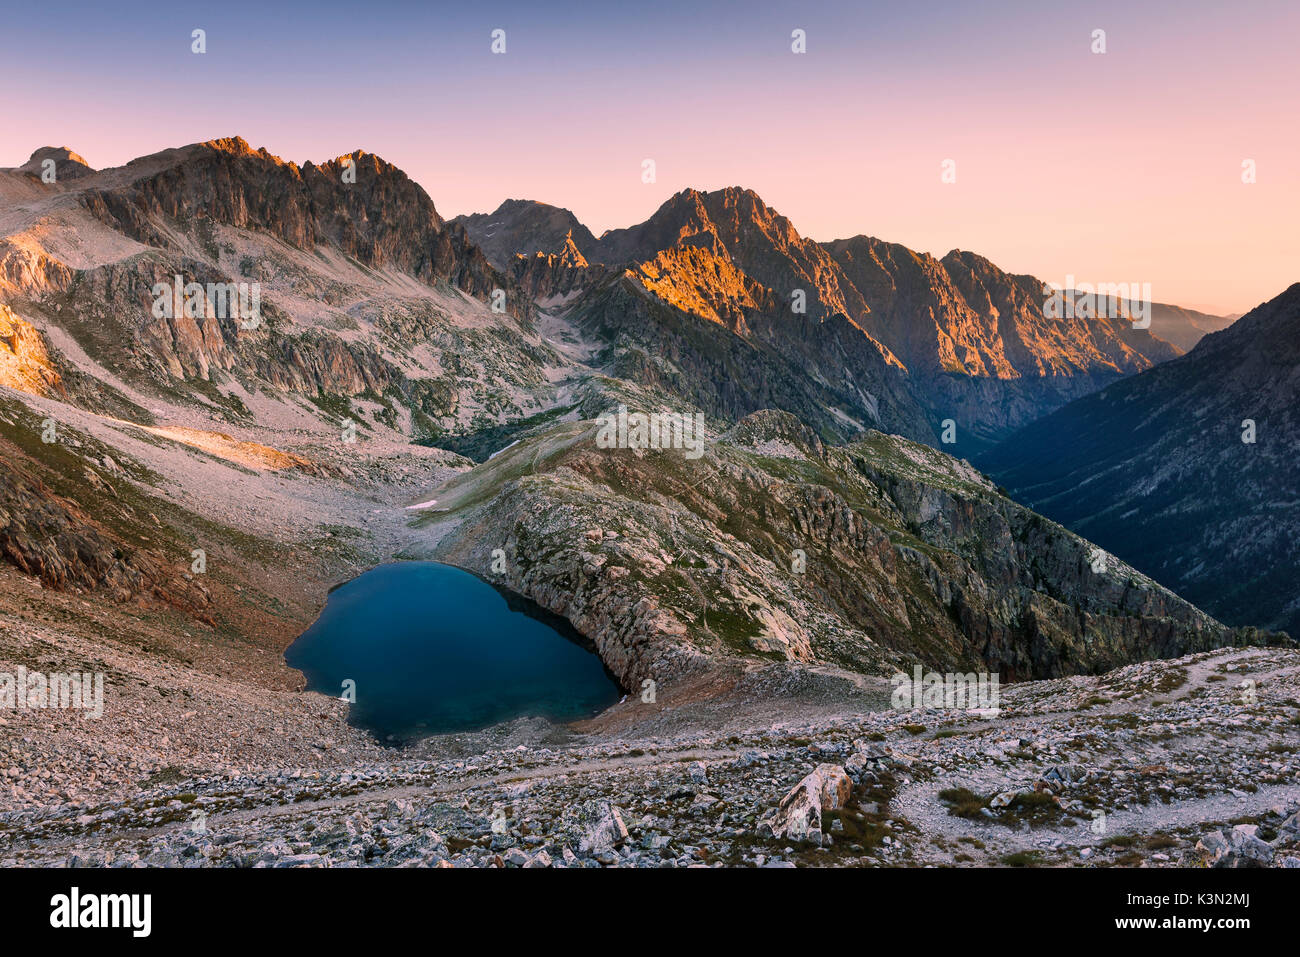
(432, 649)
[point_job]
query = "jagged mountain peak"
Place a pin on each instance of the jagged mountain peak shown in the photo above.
(362, 159)
(235, 145)
(525, 227)
(67, 163)
(979, 265)
(532, 206)
(735, 225)
(360, 202)
(235, 152)
(863, 241)
(975, 340)
(57, 153)
(570, 254)
(233, 148)
(358, 285)
(967, 257)
(727, 213)
(704, 199)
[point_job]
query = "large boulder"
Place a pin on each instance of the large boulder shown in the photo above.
(799, 815)
(1240, 847)
(594, 826)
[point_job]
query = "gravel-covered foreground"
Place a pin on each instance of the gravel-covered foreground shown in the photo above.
(1161, 764)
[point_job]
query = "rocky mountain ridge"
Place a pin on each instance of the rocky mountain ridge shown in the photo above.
(522, 224)
(364, 289)
(975, 342)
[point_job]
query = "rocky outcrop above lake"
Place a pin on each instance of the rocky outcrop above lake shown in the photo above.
(871, 557)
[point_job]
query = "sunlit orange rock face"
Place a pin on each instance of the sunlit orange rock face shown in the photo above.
(736, 224)
(383, 219)
(547, 274)
(24, 362)
(960, 314)
(973, 342)
(705, 283)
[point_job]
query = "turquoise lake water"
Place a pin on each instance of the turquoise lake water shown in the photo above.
(433, 649)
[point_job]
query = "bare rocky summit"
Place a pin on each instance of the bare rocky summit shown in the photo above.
(66, 164)
(362, 285)
(521, 224)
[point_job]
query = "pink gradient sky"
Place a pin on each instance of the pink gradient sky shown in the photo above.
(1124, 167)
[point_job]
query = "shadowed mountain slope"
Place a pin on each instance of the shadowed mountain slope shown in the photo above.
(1155, 468)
